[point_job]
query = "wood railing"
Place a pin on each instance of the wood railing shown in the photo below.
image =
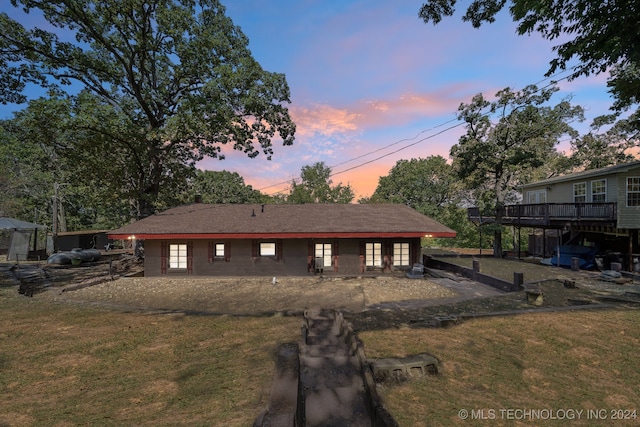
(547, 213)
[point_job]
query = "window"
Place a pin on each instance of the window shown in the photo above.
(537, 196)
(401, 254)
(633, 191)
(373, 255)
(178, 255)
(323, 250)
(599, 191)
(219, 250)
(267, 249)
(580, 192)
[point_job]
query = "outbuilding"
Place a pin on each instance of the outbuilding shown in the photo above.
(282, 239)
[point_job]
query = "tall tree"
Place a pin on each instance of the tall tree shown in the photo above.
(31, 138)
(597, 150)
(177, 75)
(601, 35)
(497, 155)
(426, 185)
(50, 174)
(224, 187)
(430, 186)
(15, 173)
(316, 186)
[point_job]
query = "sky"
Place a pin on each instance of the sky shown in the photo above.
(372, 84)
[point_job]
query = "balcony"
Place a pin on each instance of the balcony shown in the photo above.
(551, 215)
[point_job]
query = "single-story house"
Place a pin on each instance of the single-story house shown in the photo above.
(283, 239)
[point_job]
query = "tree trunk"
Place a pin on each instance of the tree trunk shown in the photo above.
(497, 233)
(497, 243)
(62, 218)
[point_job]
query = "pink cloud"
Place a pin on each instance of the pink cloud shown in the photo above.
(323, 119)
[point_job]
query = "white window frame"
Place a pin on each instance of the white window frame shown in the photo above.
(178, 256)
(373, 254)
(602, 194)
(218, 250)
(323, 250)
(536, 197)
(633, 189)
(267, 249)
(582, 194)
(401, 254)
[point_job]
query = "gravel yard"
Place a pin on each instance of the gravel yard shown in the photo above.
(252, 295)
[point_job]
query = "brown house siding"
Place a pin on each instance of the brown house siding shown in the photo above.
(242, 257)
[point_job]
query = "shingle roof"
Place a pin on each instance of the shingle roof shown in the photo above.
(586, 174)
(200, 220)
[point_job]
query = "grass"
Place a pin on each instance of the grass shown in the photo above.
(581, 360)
(62, 365)
(65, 365)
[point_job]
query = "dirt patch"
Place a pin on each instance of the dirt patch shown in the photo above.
(253, 295)
(369, 302)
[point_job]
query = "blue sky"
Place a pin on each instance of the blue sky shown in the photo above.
(372, 84)
(365, 75)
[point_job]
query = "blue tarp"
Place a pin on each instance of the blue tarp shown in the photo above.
(585, 254)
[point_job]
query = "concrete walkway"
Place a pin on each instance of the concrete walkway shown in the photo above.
(331, 374)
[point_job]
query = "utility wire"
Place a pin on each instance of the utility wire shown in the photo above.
(552, 82)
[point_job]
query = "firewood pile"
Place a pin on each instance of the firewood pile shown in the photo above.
(37, 277)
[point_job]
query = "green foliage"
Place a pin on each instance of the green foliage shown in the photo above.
(495, 157)
(223, 187)
(455, 217)
(426, 185)
(599, 35)
(166, 83)
(593, 151)
(430, 186)
(15, 174)
(316, 186)
(45, 162)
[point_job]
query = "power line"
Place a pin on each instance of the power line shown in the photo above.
(364, 155)
(552, 82)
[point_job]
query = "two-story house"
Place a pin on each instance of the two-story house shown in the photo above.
(598, 208)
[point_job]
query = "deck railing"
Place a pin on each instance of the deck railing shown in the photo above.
(545, 213)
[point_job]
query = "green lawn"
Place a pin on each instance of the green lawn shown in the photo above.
(68, 365)
(62, 365)
(496, 368)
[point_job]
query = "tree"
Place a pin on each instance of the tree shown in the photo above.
(174, 80)
(224, 187)
(597, 150)
(48, 172)
(316, 186)
(601, 35)
(13, 176)
(426, 185)
(430, 186)
(494, 157)
(30, 140)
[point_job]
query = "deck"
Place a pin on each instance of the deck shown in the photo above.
(551, 215)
